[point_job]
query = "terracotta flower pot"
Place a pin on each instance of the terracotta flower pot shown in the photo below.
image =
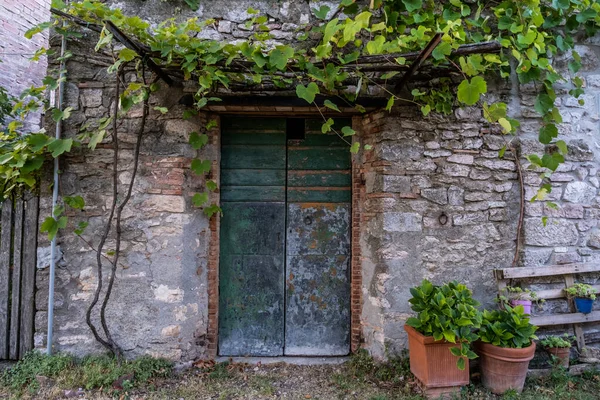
(562, 353)
(503, 368)
(432, 363)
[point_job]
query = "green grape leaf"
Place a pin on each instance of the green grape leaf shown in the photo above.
(355, 147)
(326, 127)
(199, 199)
(197, 141)
(75, 202)
(322, 12)
(60, 146)
(547, 133)
(200, 167)
(127, 54)
(347, 131)
(211, 185)
(331, 105)
(280, 56)
(412, 5)
(308, 92)
(441, 51)
(81, 227)
(469, 92)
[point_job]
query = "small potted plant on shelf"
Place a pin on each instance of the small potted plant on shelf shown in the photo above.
(515, 296)
(439, 337)
(584, 296)
(559, 347)
(505, 347)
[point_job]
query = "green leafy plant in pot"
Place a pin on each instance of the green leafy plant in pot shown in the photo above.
(584, 296)
(505, 347)
(439, 337)
(515, 296)
(559, 348)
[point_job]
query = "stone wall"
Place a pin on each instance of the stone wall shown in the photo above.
(159, 305)
(17, 72)
(441, 206)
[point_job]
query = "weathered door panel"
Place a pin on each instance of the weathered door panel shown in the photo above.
(317, 280)
(318, 246)
(252, 261)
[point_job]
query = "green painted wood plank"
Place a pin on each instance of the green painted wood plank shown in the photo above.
(320, 140)
(250, 124)
(253, 193)
(314, 125)
(253, 157)
(319, 195)
(249, 138)
(318, 158)
(253, 177)
(319, 178)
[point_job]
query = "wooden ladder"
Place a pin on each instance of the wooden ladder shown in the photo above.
(567, 271)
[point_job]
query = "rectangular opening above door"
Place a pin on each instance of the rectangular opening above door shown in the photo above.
(284, 280)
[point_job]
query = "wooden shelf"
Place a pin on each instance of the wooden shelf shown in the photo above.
(564, 319)
(557, 293)
(550, 270)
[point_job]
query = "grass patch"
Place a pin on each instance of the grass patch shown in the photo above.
(92, 372)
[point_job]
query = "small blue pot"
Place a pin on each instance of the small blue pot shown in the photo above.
(584, 305)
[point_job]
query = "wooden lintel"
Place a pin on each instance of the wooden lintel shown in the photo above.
(423, 55)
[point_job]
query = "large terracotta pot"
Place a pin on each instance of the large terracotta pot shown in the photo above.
(432, 363)
(562, 353)
(503, 368)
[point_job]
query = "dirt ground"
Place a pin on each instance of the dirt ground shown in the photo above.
(283, 381)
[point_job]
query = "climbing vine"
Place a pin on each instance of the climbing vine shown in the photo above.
(350, 50)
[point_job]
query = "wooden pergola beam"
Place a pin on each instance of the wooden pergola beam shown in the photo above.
(140, 49)
(133, 45)
(425, 53)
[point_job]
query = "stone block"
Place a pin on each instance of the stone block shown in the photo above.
(594, 239)
(567, 258)
(437, 195)
(502, 165)
(580, 192)
(461, 159)
(456, 170)
(397, 184)
(556, 232)
(402, 222)
(470, 218)
(91, 97)
(163, 203)
(225, 26)
(579, 150)
(456, 196)
(479, 174)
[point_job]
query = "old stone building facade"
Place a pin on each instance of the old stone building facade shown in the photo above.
(432, 199)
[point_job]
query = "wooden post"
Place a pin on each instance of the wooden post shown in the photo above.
(15, 306)
(5, 251)
(569, 281)
(30, 228)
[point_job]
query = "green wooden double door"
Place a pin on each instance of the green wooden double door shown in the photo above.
(284, 280)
